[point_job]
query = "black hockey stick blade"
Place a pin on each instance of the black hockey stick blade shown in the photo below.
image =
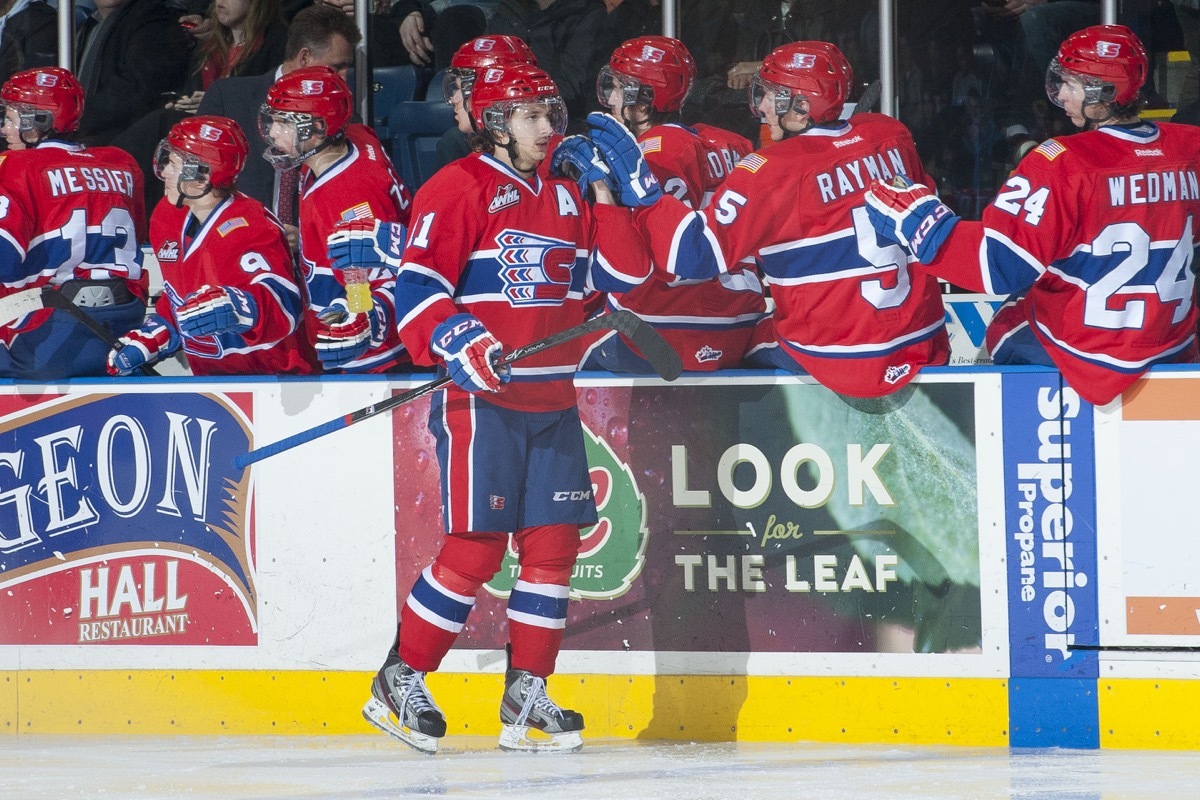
(649, 342)
(641, 334)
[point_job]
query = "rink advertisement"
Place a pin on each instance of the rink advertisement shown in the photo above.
(1145, 462)
(123, 521)
(1051, 524)
(752, 518)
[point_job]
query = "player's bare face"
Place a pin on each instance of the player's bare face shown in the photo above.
(459, 104)
(171, 183)
(530, 128)
(1070, 97)
(12, 129)
(283, 137)
(795, 120)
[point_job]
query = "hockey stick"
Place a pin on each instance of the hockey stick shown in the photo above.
(653, 347)
(52, 298)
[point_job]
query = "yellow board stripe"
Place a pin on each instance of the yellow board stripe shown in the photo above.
(970, 712)
(1149, 714)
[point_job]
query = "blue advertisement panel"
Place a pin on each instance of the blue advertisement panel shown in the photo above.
(123, 520)
(1049, 490)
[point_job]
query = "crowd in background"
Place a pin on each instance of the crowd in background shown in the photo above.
(969, 73)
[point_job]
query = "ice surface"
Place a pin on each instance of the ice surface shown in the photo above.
(375, 767)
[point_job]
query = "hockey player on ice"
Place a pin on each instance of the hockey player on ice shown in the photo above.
(230, 298)
(708, 322)
(1092, 237)
(499, 257)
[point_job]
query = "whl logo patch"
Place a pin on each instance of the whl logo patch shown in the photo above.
(613, 551)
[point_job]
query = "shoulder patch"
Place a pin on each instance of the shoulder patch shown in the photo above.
(652, 145)
(1051, 149)
(230, 225)
(751, 163)
(360, 211)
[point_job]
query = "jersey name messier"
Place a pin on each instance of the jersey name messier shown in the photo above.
(74, 180)
(518, 255)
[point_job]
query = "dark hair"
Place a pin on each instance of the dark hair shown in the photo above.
(481, 142)
(314, 28)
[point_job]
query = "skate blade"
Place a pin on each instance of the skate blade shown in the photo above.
(378, 714)
(520, 739)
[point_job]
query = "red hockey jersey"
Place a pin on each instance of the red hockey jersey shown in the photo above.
(69, 212)
(850, 308)
(519, 256)
(361, 185)
(1101, 229)
(708, 322)
(242, 246)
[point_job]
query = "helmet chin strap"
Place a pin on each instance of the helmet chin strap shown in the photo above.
(788, 134)
(208, 187)
(634, 125)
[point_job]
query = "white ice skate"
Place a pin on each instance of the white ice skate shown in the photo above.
(401, 706)
(532, 722)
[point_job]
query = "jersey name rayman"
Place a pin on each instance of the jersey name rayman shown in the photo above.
(854, 176)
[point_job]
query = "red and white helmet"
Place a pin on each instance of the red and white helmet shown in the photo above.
(655, 71)
(47, 100)
(212, 149)
(815, 74)
(1109, 60)
(500, 90)
(480, 53)
(316, 102)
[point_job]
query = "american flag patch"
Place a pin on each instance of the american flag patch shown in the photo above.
(1051, 149)
(360, 211)
(230, 225)
(752, 162)
(652, 145)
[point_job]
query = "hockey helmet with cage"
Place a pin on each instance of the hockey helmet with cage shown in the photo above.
(812, 73)
(1109, 60)
(655, 71)
(500, 90)
(46, 99)
(480, 53)
(316, 101)
(212, 149)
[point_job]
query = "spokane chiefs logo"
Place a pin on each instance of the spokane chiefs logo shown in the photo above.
(535, 270)
(1108, 49)
(613, 551)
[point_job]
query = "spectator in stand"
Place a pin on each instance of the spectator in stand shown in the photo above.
(566, 36)
(129, 53)
(28, 36)
(320, 35)
(229, 299)
(429, 37)
(239, 37)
